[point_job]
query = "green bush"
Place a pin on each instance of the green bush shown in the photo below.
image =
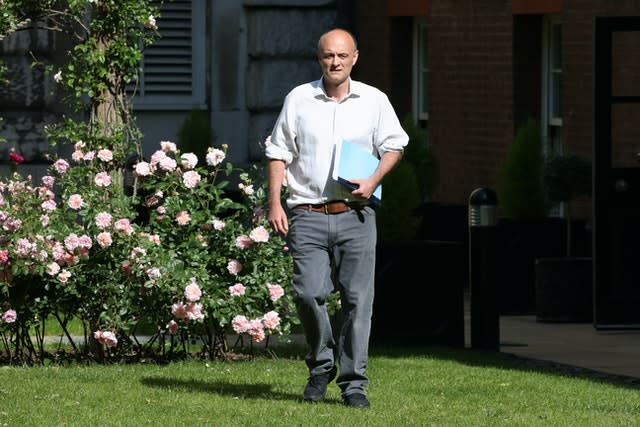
(421, 155)
(407, 186)
(519, 180)
(565, 177)
(396, 218)
(196, 134)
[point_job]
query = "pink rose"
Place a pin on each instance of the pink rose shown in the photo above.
(168, 146)
(61, 166)
(243, 242)
(240, 324)
(77, 155)
(256, 330)
(259, 235)
(172, 326)
(48, 181)
(191, 179)
(103, 220)
(124, 226)
(275, 292)
(167, 164)
(237, 290)
(105, 155)
(48, 205)
(192, 292)
(104, 239)
(102, 179)
(215, 156)
(143, 169)
(75, 201)
(234, 267)
(9, 316)
(188, 160)
(194, 312)
(183, 218)
(64, 276)
(179, 310)
(271, 320)
(106, 337)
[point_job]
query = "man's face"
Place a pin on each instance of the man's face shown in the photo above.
(337, 56)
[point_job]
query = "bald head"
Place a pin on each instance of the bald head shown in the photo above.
(343, 35)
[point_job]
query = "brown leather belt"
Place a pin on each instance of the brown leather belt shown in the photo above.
(331, 208)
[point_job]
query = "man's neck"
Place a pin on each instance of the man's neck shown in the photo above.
(338, 92)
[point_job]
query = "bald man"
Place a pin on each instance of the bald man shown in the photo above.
(331, 229)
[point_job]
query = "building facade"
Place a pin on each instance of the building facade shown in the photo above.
(470, 72)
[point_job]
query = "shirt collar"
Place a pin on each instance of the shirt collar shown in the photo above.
(320, 93)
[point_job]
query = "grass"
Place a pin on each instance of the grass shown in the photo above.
(409, 387)
(74, 327)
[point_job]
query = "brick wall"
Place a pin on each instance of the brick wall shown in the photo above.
(471, 120)
(372, 29)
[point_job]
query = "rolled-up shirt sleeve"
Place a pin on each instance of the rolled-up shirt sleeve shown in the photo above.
(283, 135)
(390, 134)
(275, 152)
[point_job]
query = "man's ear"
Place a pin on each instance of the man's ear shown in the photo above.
(355, 56)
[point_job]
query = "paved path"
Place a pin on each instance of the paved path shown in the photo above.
(577, 344)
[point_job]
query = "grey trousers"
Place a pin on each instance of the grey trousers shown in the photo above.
(335, 252)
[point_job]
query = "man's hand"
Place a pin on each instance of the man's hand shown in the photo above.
(278, 219)
(366, 187)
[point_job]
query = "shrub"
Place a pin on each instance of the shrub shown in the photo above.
(519, 179)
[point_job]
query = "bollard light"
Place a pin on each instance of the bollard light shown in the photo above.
(485, 319)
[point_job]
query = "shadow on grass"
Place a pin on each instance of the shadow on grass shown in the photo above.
(500, 360)
(472, 357)
(243, 391)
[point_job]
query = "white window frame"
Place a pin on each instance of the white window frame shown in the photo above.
(552, 84)
(173, 75)
(420, 91)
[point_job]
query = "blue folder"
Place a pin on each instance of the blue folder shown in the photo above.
(353, 161)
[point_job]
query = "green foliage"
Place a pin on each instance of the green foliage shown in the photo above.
(566, 177)
(396, 218)
(422, 157)
(407, 186)
(519, 179)
(196, 133)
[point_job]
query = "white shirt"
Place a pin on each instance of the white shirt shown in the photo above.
(311, 123)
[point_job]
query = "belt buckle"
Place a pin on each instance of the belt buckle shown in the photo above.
(326, 208)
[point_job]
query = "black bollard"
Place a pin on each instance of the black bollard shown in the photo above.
(485, 319)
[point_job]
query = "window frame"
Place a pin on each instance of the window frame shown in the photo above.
(552, 84)
(420, 93)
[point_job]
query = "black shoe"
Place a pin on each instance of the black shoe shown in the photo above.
(316, 387)
(356, 400)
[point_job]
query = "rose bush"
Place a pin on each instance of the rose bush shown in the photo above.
(185, 256)
(165, 246)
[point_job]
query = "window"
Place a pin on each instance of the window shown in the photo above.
(420, 71)
(173, 68)
(552, 84)
(552, 93)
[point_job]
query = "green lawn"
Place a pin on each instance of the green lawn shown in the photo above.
(409, 387)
